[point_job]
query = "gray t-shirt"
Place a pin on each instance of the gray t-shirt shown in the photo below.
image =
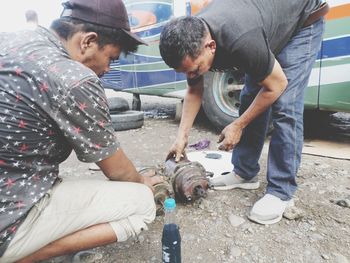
(250, 33)
(49, 106)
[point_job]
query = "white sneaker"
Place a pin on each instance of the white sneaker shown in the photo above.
(227, 181)
(269, 209)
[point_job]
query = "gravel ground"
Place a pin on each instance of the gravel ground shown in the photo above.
(216, 229)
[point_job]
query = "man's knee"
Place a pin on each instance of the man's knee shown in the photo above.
(146, 198)
(144, 211)
(139, 199)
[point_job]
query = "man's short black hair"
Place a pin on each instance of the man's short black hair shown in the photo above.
(181, 37)
(66, 27)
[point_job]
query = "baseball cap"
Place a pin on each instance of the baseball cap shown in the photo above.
(109, 13)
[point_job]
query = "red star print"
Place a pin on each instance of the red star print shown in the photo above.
(13, 229)
(10, 183)
(54, 68)
(50, 133)
(22, 124)
(77, 130)
(82, 106)
(20, 204)
(44, 87)
(24, 147)
(98, 146)
(18, 97)
(2, 162)
(18, 71)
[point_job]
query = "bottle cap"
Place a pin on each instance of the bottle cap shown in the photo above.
(169, 203)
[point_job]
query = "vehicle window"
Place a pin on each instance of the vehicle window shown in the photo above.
(197, 5)
(145, 14)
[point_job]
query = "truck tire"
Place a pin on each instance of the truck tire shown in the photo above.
(117, 104)
(221, 97)
(127, 120)
(317, 123)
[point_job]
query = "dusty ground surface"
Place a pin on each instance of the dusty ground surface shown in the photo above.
(216, 229)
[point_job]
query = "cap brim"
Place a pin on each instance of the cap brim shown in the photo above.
(135, 37)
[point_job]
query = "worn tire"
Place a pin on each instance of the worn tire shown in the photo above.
(127, 120)
(317, 123)
(221, 97)
(117, 104)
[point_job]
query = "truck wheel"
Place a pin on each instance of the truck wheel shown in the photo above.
(221, 97)
(127, 120)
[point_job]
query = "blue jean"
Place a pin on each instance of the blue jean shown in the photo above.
(297, 60)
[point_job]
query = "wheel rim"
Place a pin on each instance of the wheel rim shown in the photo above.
(226, 91)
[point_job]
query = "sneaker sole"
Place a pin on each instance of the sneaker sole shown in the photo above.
(247, 186)
(265, 222)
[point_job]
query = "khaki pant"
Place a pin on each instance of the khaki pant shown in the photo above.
(73, 205)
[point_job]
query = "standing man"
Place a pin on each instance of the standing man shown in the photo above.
(275, 42)
(52, 102)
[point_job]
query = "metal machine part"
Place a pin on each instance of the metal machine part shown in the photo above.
(184, 180)
(161, 191)
(189, 179)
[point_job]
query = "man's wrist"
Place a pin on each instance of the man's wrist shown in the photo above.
(240, 123)
(141, 179)
(182, 137)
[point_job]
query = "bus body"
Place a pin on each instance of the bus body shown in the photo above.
(144, 72)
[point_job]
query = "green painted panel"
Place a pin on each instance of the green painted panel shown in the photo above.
(335, 62)
(127, 67)
(337, 27)
(317, 64)
(181, 85)
(145, 67)
(158, 90)
(311, 97)
(335, 97)
(151, 67)
(151, 50)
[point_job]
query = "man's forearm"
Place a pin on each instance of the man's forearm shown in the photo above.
(261, 103)
(272, 88)
(128, 174)
(118, 167)
(191, 106)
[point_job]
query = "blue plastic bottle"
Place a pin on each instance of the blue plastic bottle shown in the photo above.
(171, 240)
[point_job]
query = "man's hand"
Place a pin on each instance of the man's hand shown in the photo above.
(150, 179)
(230, 136)
(191, 105)
(178, 149)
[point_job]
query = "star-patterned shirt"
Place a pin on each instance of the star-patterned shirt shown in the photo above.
(49, 106)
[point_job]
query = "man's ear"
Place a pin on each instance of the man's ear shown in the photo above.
(88, 39)
(212, 45)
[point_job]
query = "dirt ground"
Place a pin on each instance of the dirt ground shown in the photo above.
(216, 229)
